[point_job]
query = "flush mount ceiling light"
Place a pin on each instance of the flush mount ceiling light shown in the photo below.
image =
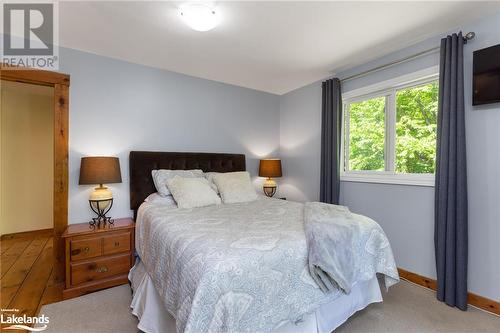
(199, 17)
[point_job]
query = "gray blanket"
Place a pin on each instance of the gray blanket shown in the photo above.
(345, 248)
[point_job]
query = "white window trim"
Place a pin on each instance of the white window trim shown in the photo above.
(407, 79)
(379, 89)
(384, 177)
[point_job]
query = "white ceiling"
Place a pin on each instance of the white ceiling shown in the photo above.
(269, 46)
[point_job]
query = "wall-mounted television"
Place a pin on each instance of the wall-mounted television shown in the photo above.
(486, 82)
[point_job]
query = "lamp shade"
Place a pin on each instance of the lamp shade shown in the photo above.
(270, 168)
(100, 170)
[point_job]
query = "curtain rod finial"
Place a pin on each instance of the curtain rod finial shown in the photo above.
(470, 35)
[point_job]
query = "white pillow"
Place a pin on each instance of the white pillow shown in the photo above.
(155, 198)
(210, 177)
(192, 192)
(235, 187)
(161, 176)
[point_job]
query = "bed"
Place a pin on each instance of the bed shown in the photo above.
(229, 268)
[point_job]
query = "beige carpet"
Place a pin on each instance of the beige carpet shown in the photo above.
(406, 308)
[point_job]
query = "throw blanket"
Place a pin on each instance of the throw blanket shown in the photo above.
(345, 248)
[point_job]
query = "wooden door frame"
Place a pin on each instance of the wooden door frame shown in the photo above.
(60, 83)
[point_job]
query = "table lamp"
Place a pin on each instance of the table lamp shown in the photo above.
(270, 168)
(100, 170)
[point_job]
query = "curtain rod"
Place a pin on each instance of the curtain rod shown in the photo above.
(468, 36)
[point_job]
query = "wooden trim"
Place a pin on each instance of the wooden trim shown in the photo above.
(418, 279)
(61, 127)
(480, 302)
(60, 82)
(484, 303)
(36, 76)
(22, 234)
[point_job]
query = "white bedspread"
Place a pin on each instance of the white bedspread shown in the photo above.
(230, 268)
(148, 307)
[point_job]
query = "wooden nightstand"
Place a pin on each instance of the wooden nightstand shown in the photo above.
(98, 258)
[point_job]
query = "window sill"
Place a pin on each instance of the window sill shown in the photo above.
(389, 178)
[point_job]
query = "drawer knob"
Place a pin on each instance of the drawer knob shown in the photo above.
(102, 269)
(86, 249)
(117, 243)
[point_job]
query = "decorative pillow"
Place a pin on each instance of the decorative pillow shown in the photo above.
(235, 187)
(210, 177)
(192, 192)
(161, 176)
(155, 198)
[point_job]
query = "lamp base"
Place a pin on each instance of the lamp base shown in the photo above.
(270, 187)
(269, 191)
(101, 208)
(101, 201)
(96, 221)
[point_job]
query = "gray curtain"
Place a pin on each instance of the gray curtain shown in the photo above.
(331, 125)
(450, 234)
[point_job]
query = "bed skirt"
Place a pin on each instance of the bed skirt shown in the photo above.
(148, 307)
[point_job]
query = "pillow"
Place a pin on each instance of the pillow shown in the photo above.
(192, 192)
(210, 177)
(161, 176)
(235, 187)
(155, 198)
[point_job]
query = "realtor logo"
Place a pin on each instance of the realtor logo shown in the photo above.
(29, 35)
(23, 322)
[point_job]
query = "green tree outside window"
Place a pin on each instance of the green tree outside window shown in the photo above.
(416, 116)
(414, 137)
(367, 135)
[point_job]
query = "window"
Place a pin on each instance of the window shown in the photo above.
(390, 134)
(416, 116)
(367, 134)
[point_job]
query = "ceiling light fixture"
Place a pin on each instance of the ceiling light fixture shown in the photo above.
(199, 17)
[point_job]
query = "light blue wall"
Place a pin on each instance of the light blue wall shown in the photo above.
(116, 107)
(300, 143)
(406, 212)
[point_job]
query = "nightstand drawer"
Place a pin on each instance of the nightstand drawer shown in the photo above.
(116, 243)
(85, 248)
(99, 269)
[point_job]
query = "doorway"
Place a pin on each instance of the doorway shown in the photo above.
(52, 90)
(26, 155)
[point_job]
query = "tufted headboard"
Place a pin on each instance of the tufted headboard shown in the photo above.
(142, 162)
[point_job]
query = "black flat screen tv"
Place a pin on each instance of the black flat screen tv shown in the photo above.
(486, 82)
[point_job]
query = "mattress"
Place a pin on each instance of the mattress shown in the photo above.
(238, 267)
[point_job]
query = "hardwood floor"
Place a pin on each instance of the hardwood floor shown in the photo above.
(27, 280)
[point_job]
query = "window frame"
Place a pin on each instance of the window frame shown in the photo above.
(387, 89)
